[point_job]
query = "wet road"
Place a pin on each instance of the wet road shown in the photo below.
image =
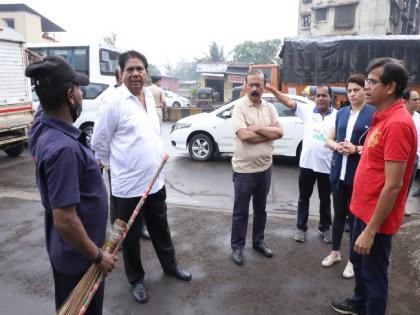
(200, 202)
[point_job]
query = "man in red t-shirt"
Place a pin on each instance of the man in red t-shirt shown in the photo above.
(380, 187)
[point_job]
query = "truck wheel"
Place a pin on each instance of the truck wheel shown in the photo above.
(15, 150)
(201, 147)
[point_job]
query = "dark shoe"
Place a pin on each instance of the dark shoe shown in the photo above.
(264, 250)
(144, 232)
(179, 273)
(237, 257)
(347, 226)
(140, 293)
(346, 307)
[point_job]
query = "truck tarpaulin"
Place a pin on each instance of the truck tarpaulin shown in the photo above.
(332, 59)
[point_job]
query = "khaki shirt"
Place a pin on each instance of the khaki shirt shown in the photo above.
(158, 95)
(249, 157)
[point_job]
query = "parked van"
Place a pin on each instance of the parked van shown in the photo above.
(98, 61)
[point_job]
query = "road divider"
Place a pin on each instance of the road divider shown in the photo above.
(176, 113)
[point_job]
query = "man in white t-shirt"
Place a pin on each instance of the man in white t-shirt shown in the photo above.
(412, 100)
(315, 159)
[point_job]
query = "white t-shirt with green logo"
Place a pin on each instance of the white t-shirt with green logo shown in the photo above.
(315, 155)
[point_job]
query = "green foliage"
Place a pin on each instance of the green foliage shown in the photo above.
(184, 70)
(215, 54)
(257, 52)
(110, 39)
(153, 70)
(193, 93)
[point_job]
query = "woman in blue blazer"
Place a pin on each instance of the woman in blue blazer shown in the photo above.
(346, 140)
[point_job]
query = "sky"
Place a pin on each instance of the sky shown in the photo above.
(167, 31)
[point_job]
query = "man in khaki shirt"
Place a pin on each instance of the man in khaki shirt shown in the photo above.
(159, 97)
(256, 127)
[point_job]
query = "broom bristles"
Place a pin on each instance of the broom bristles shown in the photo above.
(79, 294)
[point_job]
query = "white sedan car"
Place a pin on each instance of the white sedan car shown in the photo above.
(207, 134)
(174, 100)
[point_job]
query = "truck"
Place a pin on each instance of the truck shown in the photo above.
(16, 113)
(310, 61)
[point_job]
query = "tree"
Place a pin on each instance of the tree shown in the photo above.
(153, 70)
(110, 39)
(215, 54)
(186, 70)
(257, 52)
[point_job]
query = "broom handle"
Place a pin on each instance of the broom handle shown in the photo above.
(129, 224)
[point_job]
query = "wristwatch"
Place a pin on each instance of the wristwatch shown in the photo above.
(98, 257)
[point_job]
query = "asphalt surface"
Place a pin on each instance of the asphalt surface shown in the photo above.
(199, 213)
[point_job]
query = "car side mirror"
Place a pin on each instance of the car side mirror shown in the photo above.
(227, 114)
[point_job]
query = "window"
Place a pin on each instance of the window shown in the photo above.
(109, 61)
(344, 16)
(282, 109)
(9, 23)
(93, 90)
(321, 15)
(78, 57)
(306, 21)
(394, 14)
(306, 1)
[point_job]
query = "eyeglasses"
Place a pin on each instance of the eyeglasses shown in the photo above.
(370, 82)
(415, 99)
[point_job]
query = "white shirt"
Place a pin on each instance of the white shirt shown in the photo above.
(349, 130)
(315, 155)
(416, 118)
(126, 137)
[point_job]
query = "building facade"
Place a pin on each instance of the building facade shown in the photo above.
(222, 77)
(358, 17)
(34, 27)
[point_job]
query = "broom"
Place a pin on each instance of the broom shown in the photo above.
(81, 296)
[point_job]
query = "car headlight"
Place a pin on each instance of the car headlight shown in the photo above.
(179, 126)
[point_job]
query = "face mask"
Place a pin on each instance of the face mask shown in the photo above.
(75, 112)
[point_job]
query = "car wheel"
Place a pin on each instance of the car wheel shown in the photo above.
(201, 147)
(88, 130)
(176, 104)
(15, 150)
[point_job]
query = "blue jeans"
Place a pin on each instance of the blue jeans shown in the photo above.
(371, 272)
(247, 185)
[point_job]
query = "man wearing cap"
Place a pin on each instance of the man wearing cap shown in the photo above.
(69, 180)
(159, 97)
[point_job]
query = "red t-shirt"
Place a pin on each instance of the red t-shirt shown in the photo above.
(392, 137)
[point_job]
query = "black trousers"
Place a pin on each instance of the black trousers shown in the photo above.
(371, 272)
(341, 201)
(247, 185)
(154, 211)
(65, 283)
(112, 211)
(307, 178)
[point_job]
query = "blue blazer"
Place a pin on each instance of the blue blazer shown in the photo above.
(358, 137)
